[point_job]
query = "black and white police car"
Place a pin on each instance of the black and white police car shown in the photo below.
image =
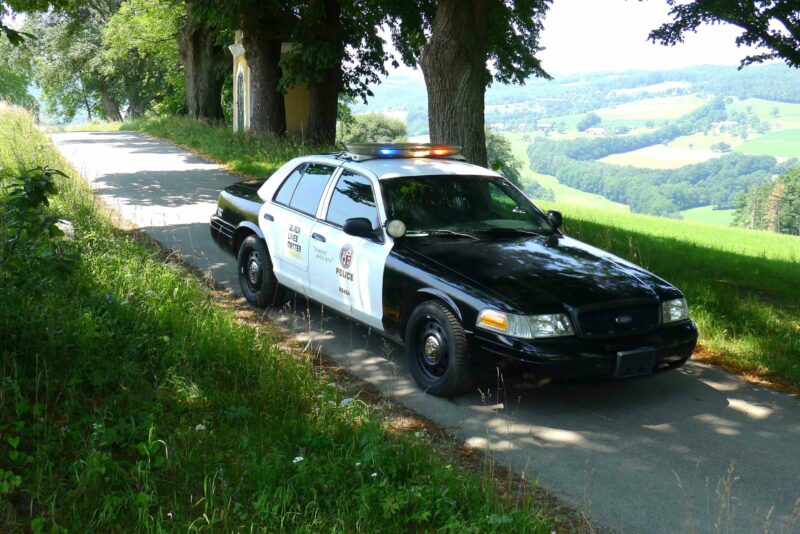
(453, 261)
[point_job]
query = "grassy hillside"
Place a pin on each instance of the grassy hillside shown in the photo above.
(708, 215)
(785, 143)
(131, 402)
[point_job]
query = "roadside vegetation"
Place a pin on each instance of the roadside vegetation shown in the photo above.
(129, 400)
(742, 285)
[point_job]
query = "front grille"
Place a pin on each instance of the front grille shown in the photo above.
(614, 321)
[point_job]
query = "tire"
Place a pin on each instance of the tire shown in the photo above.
(436, 348)
(256, 279)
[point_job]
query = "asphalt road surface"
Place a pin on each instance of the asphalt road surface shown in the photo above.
(693, 450)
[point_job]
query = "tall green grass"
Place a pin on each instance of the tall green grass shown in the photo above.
(129, 401)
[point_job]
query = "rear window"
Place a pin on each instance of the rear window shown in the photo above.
(303, 192)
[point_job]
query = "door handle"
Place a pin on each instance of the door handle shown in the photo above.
(268, 217)
(318, 237)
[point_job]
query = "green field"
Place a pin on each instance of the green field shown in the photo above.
(785, 143)
(638, 112)
(788, 114)
(708, 215)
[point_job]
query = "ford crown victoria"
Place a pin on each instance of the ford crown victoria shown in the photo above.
(452, 261)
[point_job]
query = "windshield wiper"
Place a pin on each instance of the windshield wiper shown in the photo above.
(440, 232)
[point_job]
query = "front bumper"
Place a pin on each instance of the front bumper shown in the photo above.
(573, 357)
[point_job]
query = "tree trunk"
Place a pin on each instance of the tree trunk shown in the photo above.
(453, 63)
(110, 106)
(324, 95)
(324, 107)
(201, 58)
(268, 114)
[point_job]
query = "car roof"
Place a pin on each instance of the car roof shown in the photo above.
(385, 168)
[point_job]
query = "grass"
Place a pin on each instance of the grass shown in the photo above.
(130, 401)
(708, 215)
(785, 143)
(743, 286)
(788, 114)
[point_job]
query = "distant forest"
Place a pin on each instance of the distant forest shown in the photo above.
(718, 182)
(578, 94)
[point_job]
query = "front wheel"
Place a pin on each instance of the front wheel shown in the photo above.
(258, 282)
(436, 348)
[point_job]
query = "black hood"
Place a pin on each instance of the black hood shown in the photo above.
(532, 277)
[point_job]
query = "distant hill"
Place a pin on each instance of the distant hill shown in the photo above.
(681, 143)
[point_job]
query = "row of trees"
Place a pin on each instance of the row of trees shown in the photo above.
(773, 206)
(338, 50)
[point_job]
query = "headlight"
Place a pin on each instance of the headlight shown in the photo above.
(525, 326)
(674, 310)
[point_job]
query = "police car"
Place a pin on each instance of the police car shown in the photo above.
(452, 261)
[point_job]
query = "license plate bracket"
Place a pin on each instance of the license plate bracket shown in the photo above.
(635, 363)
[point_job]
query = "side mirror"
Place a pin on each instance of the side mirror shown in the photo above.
(360, 227)
(555, 218)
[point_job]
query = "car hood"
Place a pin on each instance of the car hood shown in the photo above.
(537, 275)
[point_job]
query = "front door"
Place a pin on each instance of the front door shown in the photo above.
(347, 272)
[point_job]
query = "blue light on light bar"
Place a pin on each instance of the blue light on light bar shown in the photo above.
(388, 151)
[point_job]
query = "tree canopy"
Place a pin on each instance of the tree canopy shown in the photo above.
(770, 24)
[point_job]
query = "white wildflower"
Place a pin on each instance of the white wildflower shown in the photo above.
(374, 474)
(200, 427)
(297, 459)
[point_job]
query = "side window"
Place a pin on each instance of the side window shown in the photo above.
(284, 194)
(353, 197)
(309, 190)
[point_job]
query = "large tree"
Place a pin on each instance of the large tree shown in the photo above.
(770, 24)
(205, 61)
(337, 50)
(462, 46)
(266, 25)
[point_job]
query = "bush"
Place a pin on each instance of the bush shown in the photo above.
(372, 128)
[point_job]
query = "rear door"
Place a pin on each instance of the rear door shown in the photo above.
(294, 209)
(347, 272)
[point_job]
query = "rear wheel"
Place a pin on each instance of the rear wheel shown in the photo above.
(258, 282)
(436, 348)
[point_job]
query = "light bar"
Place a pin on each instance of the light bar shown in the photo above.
(403, 150)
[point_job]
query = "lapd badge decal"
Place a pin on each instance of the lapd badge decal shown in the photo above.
(346, 256)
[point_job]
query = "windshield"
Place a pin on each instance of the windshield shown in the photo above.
(461, 204)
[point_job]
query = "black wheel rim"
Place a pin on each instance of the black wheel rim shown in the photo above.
(431, 349)
(253, 270)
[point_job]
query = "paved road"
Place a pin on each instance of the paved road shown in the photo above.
(695, 450)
